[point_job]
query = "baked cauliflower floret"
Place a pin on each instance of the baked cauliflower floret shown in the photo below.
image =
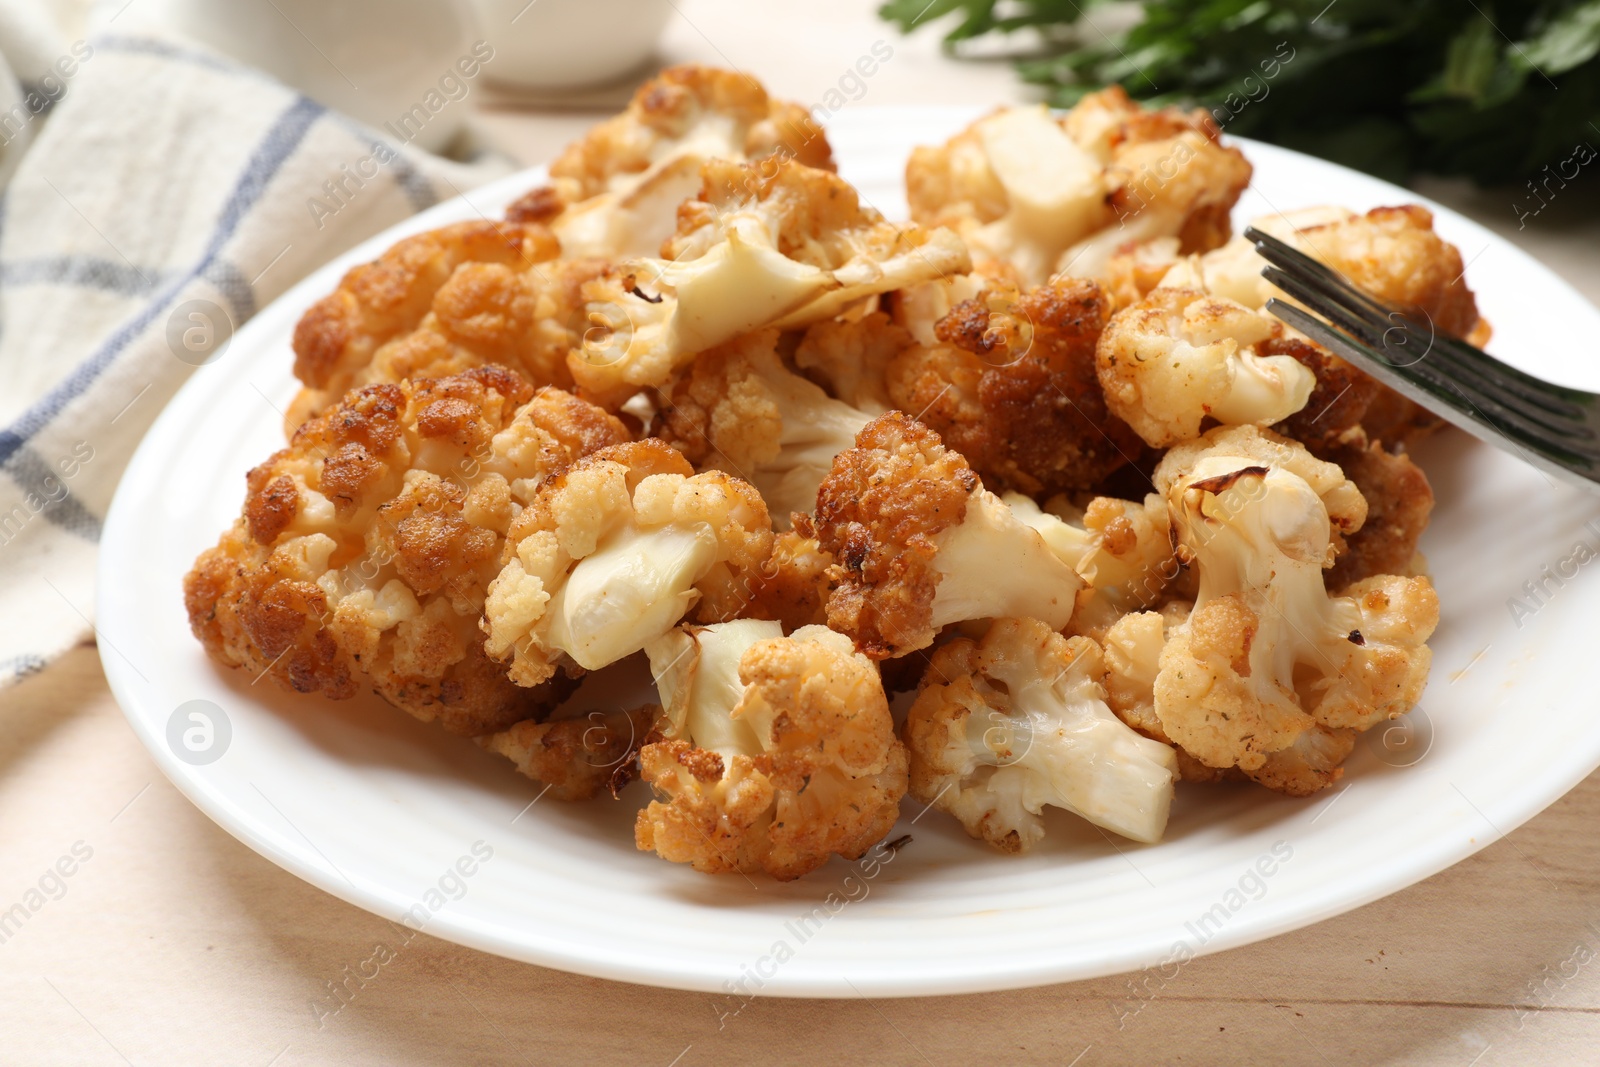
(615, 192)
(779, 753)
(1179, 357)
(1033, 193)
(1121, 549)
(849, 357)
(792, 585)
(1011, 384)
(366, 547)
(920, 544)
(337, 338)
(776, 244)
(1393, 253)
(612, 552)
(1267, 655)
(1005, 726)
(738, 408)
(577, 753)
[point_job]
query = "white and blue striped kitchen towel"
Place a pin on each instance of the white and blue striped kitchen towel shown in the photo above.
(158, 174)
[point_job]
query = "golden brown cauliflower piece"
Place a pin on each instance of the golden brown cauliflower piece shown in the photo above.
(779, 752)
(366, 547)
(738, 408)
(1011, 385)
(578, 753)
(920, 544)
(1269, 673)
(1034, 194)
(337, 339)
(615, 192)
(1007, 725)
(613, 551)
(1178, 358)
(1392, 253)
(849, 358)
(765, 245)
(1399, 502)
(792, 586)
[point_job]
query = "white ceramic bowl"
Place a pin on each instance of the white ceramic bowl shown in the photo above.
(375, 60)
(569, 44)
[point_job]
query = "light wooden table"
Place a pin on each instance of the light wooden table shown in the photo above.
(175, 944)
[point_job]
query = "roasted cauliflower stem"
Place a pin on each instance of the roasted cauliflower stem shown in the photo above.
(1179, 357)
(779, 752)
(366, 546)
(1011, 385)
(1034, 194)
(738, 408)
(338, 338)
(1121, 549)
(613, 551)
(921, 544)
(615, 192)
(577, 754)
(1004, 726)
(1269, 673)
(849, 358)
(1399, 503)
(766, 244)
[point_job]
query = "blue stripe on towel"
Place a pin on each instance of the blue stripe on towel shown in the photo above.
(270, 155)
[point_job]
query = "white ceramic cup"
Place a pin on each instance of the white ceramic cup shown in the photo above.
(569, 44)
(375, 60)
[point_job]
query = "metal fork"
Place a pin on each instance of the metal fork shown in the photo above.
(1552, 427)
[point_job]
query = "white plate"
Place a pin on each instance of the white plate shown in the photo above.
(375, 808)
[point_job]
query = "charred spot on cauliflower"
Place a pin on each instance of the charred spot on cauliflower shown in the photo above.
(1005, 726)
(778, 752)
(365, 548)
(921, 544)
(613, 551)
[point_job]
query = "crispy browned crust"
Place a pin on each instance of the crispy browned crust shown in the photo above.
(1014, 389)
(1338, 401)
(378, 301)
(792, 586)
(260, 598)
(1399, 503)
(878, 512)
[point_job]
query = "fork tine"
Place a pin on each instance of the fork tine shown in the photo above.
(1469, 386)
(1555, 399)
(1437, 396)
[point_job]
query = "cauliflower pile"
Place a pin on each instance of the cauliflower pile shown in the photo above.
(1036, 464)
